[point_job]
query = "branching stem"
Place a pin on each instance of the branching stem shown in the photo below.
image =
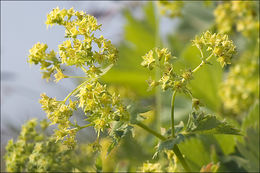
(202, 63)
(153, 132)
(176, 149)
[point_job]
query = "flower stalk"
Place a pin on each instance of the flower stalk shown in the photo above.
(176, 149)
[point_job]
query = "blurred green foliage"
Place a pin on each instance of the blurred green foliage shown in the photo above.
(229, 153)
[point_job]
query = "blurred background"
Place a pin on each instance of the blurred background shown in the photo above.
(135, 28)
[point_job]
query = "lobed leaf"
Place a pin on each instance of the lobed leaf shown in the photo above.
(201, 123)
(168, 144)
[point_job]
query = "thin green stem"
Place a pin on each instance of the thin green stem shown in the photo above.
(158, 135)
(82, 127)
(172, 112)
(85, 70)
(198, 67)
(202, 55)
(202, 63)
(74, 91)
(176, 149)
(158, 101)
(77, 77)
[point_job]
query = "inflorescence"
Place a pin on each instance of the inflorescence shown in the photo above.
(94, 55)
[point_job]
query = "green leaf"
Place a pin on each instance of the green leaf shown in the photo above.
(168, 144)
(119, 131)
(98, 163)
(178, 128)
(252, 119)
(250, 150)
(139, 38)
(132, 79)
(195, 153)
(201, 123)
(196, 19)
(227, 143)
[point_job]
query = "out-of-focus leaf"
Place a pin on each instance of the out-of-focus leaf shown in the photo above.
(201, 123)
(196, 19)
(195, 153)
(182, 109)
(130, 78)
(227, 143)
(98, 163)
(139, 38)
(252, 119)
(239, 160)
(250, 151)
(148, 116)
(129, 149)
(118, 132)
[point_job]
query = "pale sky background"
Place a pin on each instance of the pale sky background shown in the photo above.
(23, 25)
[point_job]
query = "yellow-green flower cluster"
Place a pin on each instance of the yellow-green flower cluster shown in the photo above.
(241, 88)
(59, 113)
(79, 53)
(100, 107)
(75, 22)
(48, 155)
(151, 167)
(169, 166)
(32, 152)
(241, 14)
(218, 45)
(170, 8)
(48, 60)
(172, 162)
(82, 48)
(162, 59)
(95, 56)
